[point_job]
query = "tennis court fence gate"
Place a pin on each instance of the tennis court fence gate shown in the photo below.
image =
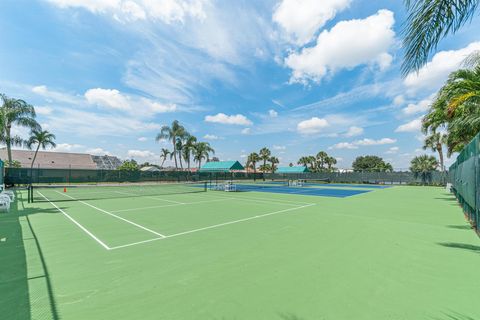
(464, 175)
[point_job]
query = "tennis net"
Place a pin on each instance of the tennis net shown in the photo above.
(59, 193)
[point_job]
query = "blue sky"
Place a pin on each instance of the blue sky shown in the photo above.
(295, 76)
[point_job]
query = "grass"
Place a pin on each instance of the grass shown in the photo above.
(396, 253)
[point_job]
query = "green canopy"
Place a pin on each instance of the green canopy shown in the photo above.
(301, 169)
(221, 166)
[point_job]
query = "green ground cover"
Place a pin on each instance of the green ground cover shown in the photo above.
(396, 253)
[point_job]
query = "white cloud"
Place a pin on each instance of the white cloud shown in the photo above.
(246, 131)
(420, 107)
(142, 139)
(140, 154)
(97, 152)
(301, 19)
(168, 11)
(272, 113)
(435, 72)
(412, 126)
(50, 95)
(372, 142)
(68, 147)
(362, 143)
(237, 119)
(392, 150)
(344, 145)
(43, 110)
(312, 126)
(354, 131)
(399, 100)
(211, 137)
(347, 45)
(114, 99)
(110, 98)
(275, 147)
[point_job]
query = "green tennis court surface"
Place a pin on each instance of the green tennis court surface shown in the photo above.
(395, 253)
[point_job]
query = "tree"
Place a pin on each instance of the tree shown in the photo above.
(423, 166)
(265, 155)
(129, 165)
(252, 160)
(188, 148)
(172, 133)
(273, 161)
(214, 159)
(371, 164)
(202, 151)
(321, 159)
(265, 168)
(163, 155)
(330, 162)
(456, 106)
(41, 138)
(14, 164)
(435, 143)
(15, 112)
(428, 22)
(290, 164)
(313, 163)
(304, 161)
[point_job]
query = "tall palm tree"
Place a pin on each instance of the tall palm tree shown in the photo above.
(313, 163)
(202, 151)
(321, 159)
(304, 161)
(15, 112)
(163, 155)
(435, 143)
(428, 22)
(41, 138)
(252, 160)
(330, 162)
(187, 149)
(265, 154)
(172, 133)
(456, 107)
(273, 161)
(423, 166)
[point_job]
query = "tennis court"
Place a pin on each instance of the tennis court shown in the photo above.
(187, 252)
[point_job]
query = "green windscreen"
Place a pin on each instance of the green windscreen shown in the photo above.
(464, 176)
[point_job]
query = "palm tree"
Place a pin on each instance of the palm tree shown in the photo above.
(321, 159)
(456, 107)
(265, 168)
(330, 162)
(428, 22)
(15, 112)
(172, 133)
(273, 161)
(435, 143)
(265, 155)
(423, 166)
(252, 160)
(41, 138)
(313, 163)
(163, 155)
(202, 151)
(304, 161)
(187, 148)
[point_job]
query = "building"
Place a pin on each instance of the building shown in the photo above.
(300, 169)
(62, 160)
(222, 166)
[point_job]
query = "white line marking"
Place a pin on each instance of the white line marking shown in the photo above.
(213, 226)
(77, 223)
(170, 205)
(113, 215)
(265, 200)
(150, 197)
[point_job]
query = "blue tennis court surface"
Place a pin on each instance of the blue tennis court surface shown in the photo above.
(324, 192)
(336, 185)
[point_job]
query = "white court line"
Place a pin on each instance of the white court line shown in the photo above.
(170, 205)
(212, 226)
(76, 222)
(150, 197)
(266, 200)
(113, 215)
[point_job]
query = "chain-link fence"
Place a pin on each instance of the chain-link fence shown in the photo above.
(465, 179)
(19, 176)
